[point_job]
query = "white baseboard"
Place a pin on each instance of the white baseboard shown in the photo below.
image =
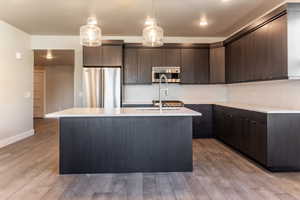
(16, 138)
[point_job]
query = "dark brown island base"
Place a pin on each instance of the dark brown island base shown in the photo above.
(125, 141)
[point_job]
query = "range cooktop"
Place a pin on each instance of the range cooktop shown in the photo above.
(169, 103)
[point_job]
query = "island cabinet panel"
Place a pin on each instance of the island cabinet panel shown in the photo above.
(259, 55)
(125, 144)
(103, 56)
(270, 139)
(195, 66)
(202, 125)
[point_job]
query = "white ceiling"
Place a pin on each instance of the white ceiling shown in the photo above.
(126, 17)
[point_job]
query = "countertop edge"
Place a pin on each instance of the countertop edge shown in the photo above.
(258, 108)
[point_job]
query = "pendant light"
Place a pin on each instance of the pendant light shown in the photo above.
(152, 33)
(90, 34)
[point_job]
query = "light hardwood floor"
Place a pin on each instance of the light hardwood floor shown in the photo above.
(29, 171)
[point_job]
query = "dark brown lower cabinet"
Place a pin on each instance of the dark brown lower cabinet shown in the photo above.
(273, 140)
(202, 126)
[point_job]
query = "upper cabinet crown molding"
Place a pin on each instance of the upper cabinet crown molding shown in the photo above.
(216, 45)
(273, 15)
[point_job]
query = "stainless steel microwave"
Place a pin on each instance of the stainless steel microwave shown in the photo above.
(172, 74)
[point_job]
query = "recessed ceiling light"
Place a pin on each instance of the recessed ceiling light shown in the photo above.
(203, 22)
(225, 0)
(49, 55)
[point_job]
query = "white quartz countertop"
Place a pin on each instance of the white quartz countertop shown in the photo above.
(122, 112)
(258, 108)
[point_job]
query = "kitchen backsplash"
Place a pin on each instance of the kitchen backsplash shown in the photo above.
(189, 94)
(283, 94)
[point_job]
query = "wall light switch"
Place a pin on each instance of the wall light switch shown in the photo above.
(19, 56)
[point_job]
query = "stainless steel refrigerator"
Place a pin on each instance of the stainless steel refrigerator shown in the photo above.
(102, 87)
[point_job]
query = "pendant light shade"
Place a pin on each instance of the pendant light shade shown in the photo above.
(153, 36)
(90, 34)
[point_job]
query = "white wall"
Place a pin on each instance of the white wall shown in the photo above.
(59, 88)
(16, 115)
(64, 42)
(285, 93)
(197, 93)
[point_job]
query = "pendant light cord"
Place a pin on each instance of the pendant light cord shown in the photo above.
(153, 10)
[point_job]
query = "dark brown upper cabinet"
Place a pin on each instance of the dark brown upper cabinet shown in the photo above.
(157, 57)
(138, 64)
(195, 66)
(92, 56)
(166, 57)
(110, 54)
(146, 58)
(172, 57)
(139, 61)
(266, 50)
(131, 66)
(217, 65)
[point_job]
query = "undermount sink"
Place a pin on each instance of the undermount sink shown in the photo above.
(155, 108)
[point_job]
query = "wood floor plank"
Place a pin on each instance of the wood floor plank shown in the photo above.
(164, 187)
(29, 171)
(180, 186)
(135, 186)
(150, 191)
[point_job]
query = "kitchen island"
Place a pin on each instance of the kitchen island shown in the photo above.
(95, 140)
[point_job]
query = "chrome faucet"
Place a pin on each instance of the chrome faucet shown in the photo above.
(160, 89)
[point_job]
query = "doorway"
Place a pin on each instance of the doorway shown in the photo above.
(53, 81)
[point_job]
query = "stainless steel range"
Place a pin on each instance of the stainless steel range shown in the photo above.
(168, 103)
